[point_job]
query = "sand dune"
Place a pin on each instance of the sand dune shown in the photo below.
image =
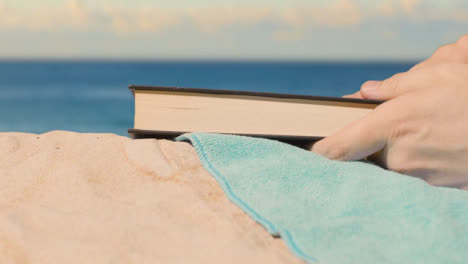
(101, 198)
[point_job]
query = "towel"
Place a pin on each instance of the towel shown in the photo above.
(337, 212)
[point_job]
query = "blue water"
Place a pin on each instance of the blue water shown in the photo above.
(92, 96)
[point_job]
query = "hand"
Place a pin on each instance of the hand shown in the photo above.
(422, 130)
(452, 53)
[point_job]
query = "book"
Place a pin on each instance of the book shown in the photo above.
(167, 112)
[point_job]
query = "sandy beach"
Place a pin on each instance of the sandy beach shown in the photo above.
(100, 198)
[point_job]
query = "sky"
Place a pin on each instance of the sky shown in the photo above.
(229, 29)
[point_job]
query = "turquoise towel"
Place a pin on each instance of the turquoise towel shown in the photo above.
(337, 212)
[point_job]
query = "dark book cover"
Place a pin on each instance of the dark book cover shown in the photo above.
(227, 93)
(300, 141)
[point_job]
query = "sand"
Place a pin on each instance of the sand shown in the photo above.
(100, 198)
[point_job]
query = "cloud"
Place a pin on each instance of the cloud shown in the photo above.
(410, 6)
(422, 11)
(461, 15)
(337, 14)
(142, 20)
(72, 15)
(212, 19)
(386, 9)
(76, 15)
(290, 21)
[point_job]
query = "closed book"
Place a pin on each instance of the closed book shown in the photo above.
(166, 112)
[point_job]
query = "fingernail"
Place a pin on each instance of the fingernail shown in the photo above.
(370, 86)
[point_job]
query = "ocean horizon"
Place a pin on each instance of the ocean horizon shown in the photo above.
(91, 95)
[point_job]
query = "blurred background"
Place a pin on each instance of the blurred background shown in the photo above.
(66, 64)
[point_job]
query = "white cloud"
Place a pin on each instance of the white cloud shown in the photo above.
(338, 14)
(410, 6)
(461, 15)
(212, 19)
(141, 20)
(76, 15)
(386, 8)
(72, 15)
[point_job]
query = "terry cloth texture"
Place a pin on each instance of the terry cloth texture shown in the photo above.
(337, 212)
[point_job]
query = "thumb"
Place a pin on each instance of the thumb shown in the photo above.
(357, 140)
(384, 90)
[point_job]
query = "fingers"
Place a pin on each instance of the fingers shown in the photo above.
(356, 95)
(452, 53)
(370, 134)
(357, 140)
(367, 89)
(390, 88)
(383, 90)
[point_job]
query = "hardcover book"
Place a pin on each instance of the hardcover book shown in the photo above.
(166, 112)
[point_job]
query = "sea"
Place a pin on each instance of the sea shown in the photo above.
(92, 95)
